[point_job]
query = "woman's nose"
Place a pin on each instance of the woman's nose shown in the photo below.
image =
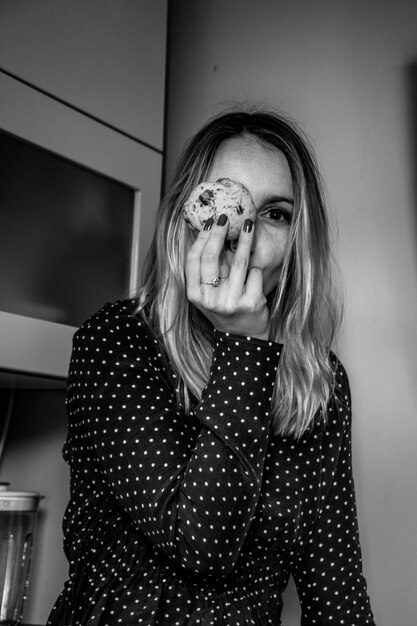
(232, 245)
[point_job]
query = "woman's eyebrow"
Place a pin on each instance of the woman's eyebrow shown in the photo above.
(277, 198)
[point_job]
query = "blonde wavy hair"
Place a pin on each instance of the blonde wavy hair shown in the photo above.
(304, 308)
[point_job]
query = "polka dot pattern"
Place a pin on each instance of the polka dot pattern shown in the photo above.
(201, 519)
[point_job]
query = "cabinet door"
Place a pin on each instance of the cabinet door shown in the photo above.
(33, 344)
(103, 57)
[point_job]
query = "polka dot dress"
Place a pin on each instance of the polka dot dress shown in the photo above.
(200, 519)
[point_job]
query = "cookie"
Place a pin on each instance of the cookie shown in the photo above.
(212, 199)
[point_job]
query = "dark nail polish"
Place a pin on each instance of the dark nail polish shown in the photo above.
(222, 220)
(248, 225)
(209, 223)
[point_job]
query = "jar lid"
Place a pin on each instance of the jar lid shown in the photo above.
(19, 501)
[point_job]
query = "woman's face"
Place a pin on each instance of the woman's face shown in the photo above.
(265, 172)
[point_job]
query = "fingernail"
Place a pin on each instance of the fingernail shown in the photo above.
(209, 223)
(248, 225)
(222, 220)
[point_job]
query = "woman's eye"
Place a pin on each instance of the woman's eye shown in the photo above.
(278, 214)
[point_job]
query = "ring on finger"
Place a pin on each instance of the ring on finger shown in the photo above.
(214, 282)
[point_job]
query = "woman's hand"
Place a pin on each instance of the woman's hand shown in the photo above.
(238, 304)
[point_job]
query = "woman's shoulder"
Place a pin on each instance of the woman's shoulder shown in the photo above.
(111, 311)
(341, 378)
(340, 403)
(114, 324)
(118, 339)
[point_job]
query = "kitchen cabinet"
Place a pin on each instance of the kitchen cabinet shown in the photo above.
(32, 345)
(84, 82)
(104, 58)
(96, 101)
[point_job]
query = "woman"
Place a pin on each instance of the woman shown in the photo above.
(209, 423)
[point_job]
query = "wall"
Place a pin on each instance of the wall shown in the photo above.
(347, 71)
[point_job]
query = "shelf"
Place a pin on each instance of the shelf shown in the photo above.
(34, 347)
(16, 380)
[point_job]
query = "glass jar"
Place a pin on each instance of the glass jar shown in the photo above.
(18, 517)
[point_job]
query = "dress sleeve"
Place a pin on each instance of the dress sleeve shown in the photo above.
(190, 483)
(328, 572)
